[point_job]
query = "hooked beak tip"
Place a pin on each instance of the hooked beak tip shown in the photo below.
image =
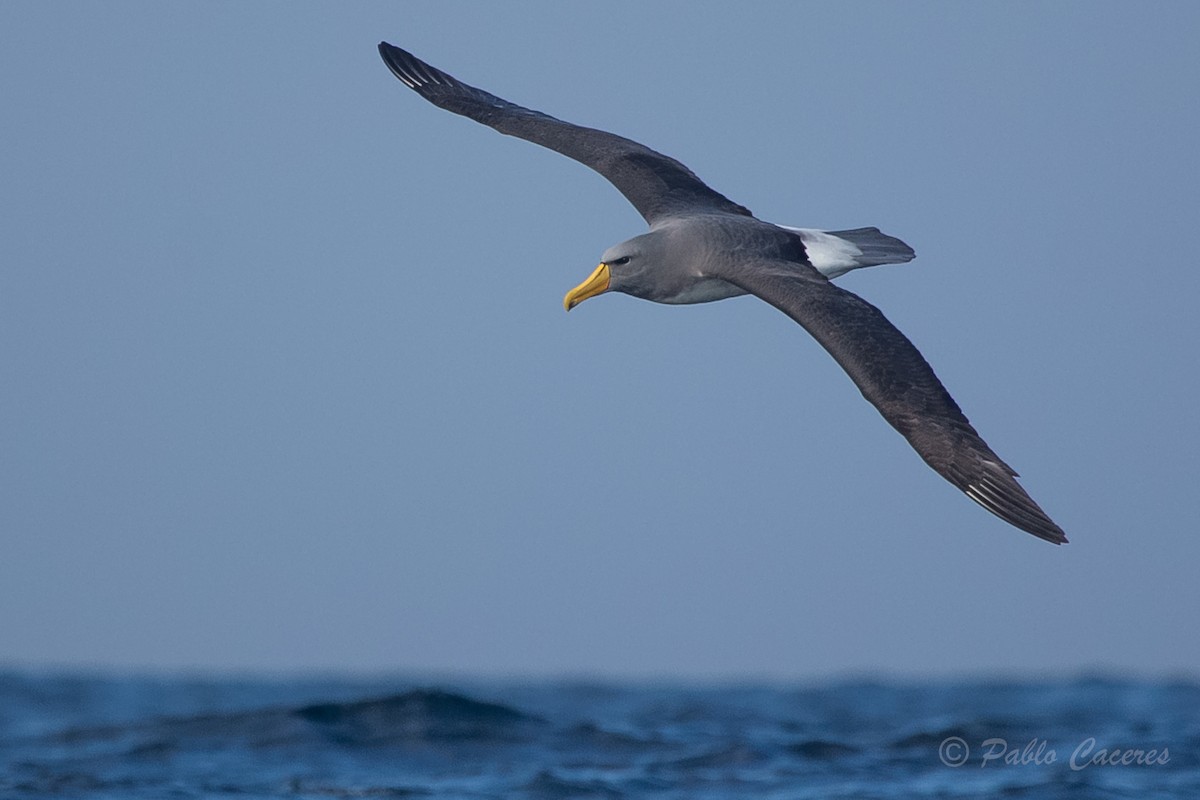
(596, 283)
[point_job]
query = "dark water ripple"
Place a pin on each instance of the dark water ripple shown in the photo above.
(132, 737)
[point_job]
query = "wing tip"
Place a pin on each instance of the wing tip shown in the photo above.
(388, 52)
(1011, 503)
(407, 67)
(393, 57)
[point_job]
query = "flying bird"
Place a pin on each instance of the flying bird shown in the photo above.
(701, 247)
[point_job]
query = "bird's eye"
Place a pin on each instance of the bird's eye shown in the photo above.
(616, 262)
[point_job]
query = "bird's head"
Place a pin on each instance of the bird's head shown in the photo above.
(623, 268)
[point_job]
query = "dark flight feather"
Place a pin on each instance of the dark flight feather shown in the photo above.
(658, 186)
(895, 378)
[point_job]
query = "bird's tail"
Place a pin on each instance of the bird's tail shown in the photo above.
(835, 253)
(876, 247)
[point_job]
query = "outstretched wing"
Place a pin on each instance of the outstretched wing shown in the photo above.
(894, 376)
(657, 185)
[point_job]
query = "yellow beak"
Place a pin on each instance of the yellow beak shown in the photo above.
(596, 283)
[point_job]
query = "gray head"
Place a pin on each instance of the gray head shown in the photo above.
(632, 267)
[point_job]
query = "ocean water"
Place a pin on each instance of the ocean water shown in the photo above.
(88, 736)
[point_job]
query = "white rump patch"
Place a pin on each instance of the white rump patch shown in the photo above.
(831, 255)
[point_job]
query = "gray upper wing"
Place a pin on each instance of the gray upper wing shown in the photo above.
(657, 185)
(894, 376)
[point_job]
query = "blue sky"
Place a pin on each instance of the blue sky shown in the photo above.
(288, 383)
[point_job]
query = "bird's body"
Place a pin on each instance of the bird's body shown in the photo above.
(703, 247)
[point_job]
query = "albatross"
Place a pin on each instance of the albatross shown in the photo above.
(702, 247)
